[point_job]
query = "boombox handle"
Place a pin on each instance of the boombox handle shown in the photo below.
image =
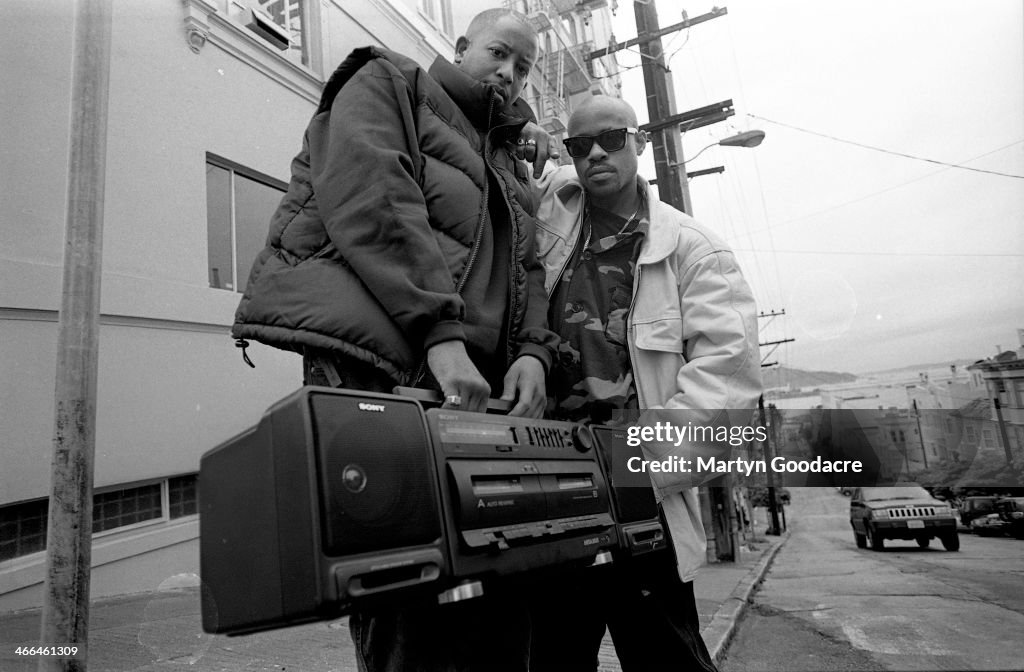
(433, 398)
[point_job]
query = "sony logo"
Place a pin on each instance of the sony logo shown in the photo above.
(373, 408)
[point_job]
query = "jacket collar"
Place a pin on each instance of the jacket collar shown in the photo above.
(660, 240)
(474, 97)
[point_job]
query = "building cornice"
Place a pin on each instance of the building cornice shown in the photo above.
(205, 24)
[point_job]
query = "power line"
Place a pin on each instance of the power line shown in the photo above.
(888, 151)
(879, 192)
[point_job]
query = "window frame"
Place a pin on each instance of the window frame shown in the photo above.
(438, 13)
(164, 518)
(235, 168)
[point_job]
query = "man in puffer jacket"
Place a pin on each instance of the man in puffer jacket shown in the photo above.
(404, 249)
(404, 246)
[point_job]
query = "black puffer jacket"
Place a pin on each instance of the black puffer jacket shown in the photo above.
(377, 241)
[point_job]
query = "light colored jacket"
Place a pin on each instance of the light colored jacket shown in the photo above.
(692, 335)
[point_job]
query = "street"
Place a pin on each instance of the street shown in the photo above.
(827, 605)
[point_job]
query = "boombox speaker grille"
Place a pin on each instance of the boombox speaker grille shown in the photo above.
(376, 474)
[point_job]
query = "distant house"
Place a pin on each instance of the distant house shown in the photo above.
(935, 404)
(1003, 376)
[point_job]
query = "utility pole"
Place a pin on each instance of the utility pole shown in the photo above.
(1002, 429)
(664, 126)
(69, 534)
(769, 452)
(920, 435)
(773, 504)
(666, 143)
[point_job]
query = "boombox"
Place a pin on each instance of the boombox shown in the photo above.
(338, 498)
(638, 521)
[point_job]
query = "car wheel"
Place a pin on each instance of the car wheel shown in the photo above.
(951, 541)
(923, 542)
(862, 541)
(873, 538)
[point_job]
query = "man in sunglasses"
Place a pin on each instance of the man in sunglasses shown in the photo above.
(654, 313)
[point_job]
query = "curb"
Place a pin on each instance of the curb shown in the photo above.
(719, 632)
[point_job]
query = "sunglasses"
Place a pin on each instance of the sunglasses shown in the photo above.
(610, 141)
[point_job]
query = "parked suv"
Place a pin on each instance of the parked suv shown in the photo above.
(905, 511)
(972, 507)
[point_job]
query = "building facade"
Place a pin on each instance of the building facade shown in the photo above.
(1003, 377)
(208, 100)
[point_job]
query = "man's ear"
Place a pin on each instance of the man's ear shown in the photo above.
(641, 142)
(460, 48)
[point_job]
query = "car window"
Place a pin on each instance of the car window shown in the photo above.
(896, 492)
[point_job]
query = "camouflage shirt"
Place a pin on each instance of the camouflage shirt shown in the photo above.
(592, 375)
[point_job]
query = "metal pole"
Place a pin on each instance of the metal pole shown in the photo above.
(69, 535)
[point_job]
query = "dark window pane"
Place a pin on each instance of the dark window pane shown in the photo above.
(23, 528)
(218, 227)
(255, 202)
(126, 507)
(182, 496)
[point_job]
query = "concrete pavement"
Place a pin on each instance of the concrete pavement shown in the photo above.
(161, 632)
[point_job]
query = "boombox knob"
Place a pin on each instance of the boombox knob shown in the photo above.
(464, 591)
(582, 438)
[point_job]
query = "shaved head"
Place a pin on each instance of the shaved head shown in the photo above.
(603, 106)
(489, 17)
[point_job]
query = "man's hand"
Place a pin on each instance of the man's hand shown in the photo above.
(536, 146)
(458, 376)
(526, 377)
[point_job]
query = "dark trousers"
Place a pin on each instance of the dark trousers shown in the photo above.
(649, 611)
(484, 634)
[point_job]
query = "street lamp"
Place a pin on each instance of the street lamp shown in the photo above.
(744, 139)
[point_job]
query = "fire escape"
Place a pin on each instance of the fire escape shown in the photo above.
(563, 71)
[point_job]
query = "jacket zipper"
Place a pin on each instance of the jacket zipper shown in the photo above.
(484, 214)
(481, 221)
(565, 264)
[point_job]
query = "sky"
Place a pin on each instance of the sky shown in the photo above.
(879, 260)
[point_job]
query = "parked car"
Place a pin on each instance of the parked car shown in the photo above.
(972, 507)
(905, 511)
(1011, 512)
(988, 525)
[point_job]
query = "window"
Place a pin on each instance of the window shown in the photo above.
(182, 496)
(23, 526)
(1018, 393)
(290, 17)
(972, 435)
(988, 438)
(121, 508)
(239, 204)
(439, 13)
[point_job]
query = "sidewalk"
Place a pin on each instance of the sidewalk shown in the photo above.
(160, 632)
